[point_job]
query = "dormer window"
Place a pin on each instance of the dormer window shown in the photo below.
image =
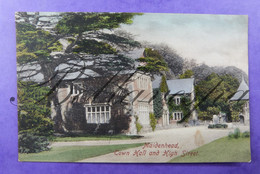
(75, 88)
(177, 100)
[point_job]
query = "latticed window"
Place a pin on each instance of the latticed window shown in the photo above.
(143, 82)
(177, 115)
(98, 114)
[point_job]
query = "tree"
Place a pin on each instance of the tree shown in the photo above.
(71, 39)
(187, 74)
(215, 91)
(174, 61)
(163, 85)
(153, 62)
(34, 115)
(157, 103)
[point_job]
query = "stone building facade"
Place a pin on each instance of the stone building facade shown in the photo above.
(106, 104)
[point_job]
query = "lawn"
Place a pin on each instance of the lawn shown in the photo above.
(94, 138)
(221, 150)
(74, 153)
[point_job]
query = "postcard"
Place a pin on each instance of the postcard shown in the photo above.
(132, 87)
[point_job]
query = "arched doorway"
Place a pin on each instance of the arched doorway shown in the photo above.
(241, 119)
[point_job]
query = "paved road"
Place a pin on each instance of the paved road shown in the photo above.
(172, 142)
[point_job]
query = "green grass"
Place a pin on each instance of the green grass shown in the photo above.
(94, 138)
(221, 150)
(74, 153)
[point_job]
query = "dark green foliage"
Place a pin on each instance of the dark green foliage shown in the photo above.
(94, 47)
(236, 133)
(218, 126)
(235, 108)
(30, 143)
(163, 85)
(157, 103)
(187, 74)
(153, 121)
(215, 91)
(208, 114)
(154, 62)
(34, 44)
(246, 134)
(75, 23)
(34, 109)
(230, 135)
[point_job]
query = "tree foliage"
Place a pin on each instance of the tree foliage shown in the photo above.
(153, 62)
(174, 61)
(34, 115)
(215, 91)
(157, 103)
(186, 74)
(153, 121)
(80, 41)
(163, 85)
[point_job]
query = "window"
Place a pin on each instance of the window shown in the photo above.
(142, 82)
(178, 115)
(75, 88)
(98, 114)
(177, 100)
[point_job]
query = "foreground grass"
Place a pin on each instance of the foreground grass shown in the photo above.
(74, 153)
(221, 150)
(94, 138)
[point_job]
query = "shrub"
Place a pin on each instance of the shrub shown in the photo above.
(236, 133)
(246, 134)
(138, 125)
(230, 135)
(152, 121)
(30, 143)
(211, 126)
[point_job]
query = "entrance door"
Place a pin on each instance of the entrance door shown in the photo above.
(143, 108)
(241, 118)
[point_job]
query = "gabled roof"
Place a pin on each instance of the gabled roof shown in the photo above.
(241, 93)
(181, 86)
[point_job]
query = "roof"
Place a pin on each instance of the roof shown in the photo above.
(156, 82)
(242, 92)
(181, 86)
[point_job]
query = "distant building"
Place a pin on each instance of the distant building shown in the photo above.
(242, 94)
(179, 88)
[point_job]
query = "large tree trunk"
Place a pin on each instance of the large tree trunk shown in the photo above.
(59, 125)
(48, 72)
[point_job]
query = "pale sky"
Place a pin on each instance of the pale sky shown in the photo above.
(216, 40)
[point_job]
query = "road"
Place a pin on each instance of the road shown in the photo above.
(162, 145)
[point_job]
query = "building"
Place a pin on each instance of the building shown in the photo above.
(182, 88)
(242, 94)
(109, 103)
